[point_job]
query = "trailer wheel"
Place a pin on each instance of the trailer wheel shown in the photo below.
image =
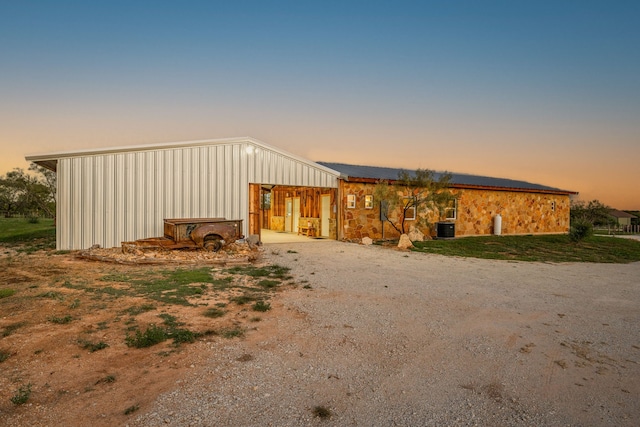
(213, 243)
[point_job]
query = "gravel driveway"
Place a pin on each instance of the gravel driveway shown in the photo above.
(386, 338)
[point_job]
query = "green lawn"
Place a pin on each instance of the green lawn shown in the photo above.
(19, 231)
(547, 248)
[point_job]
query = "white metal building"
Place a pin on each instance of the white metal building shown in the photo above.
(107, 196)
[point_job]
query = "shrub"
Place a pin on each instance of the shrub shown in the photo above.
(214, 312)
(93, 347)
(183, 336)
(22, 395)
(580, 230)
(152, 336)
(261, 306)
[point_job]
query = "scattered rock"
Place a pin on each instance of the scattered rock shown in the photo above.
(367, 241)
(405, 242)
(232, 253)
(253, 239)
(415, 235)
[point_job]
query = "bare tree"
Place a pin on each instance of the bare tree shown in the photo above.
(418, 195)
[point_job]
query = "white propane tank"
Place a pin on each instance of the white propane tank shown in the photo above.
(497, 225)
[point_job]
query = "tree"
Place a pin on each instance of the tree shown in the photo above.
(28, 194)
(9, 196)
(414, 193)
(592, 212)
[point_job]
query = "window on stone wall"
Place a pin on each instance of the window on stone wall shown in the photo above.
(368, 202)
(410, 213)
(351, 201)
(451, 211)
(553, 206)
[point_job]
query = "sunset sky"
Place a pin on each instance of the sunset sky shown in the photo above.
(540, 91)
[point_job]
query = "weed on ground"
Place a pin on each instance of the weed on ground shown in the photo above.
(22, 395)
(5, 293)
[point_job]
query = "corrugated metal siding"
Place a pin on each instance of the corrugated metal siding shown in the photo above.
(109, 198)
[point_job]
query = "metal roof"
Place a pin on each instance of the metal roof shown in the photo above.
(355, 172)
(49, 160)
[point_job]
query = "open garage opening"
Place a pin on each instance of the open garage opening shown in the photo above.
(278, 212)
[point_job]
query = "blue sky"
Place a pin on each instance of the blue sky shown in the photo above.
(542, 91)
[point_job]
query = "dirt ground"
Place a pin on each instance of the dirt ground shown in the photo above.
(361, 336)
(48, 325)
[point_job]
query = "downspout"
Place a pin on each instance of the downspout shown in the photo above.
(339, 213)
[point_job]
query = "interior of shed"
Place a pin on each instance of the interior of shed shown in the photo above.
(306, 211)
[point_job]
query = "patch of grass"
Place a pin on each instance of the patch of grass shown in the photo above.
(269, 271)
(169, 320)
(261, 306)
(52, 295)
(111, 291)
(93, 347)
(174, 286)
(20, 230)
(22, 395)
(102, 326)
(139, 309)
(6, 292)
(131, 409)
(214, 313)
(243, 299)
(291, 251)
(151, 336)
(180, 336)
(67, 284)
(4, 355)
(222, 283)
(268, 283)
(321, 412)
(10, 329)
(545, 248)
(75, 303)
(61, 320)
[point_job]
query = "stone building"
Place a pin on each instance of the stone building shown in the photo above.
(524, 208)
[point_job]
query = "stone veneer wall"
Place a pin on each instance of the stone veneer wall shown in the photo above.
(360, 222)
(522, 213)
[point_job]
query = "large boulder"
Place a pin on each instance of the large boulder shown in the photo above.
(416, 235)
(405, 242)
